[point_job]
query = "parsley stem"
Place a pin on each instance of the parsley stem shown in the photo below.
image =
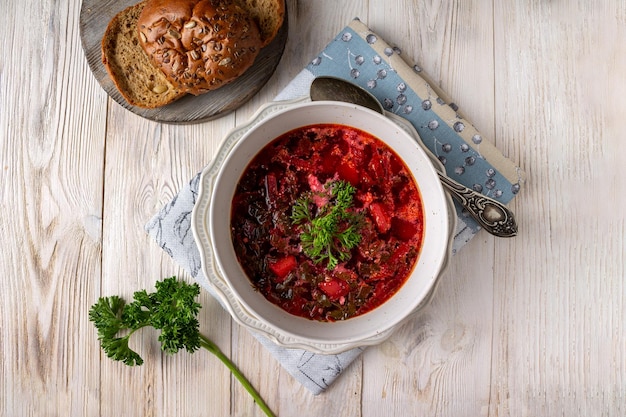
(213, 348)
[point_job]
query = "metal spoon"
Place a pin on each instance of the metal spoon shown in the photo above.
(492, 215)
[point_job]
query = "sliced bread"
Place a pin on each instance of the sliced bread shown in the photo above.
(137, 79)
(268, 14)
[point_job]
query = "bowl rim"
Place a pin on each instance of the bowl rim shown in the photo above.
(213, 266)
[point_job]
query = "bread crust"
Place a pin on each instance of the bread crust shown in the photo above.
(200, 45)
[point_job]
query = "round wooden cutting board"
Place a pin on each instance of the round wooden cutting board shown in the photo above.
(94, 18)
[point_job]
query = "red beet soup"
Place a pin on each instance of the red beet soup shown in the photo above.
(327, 222)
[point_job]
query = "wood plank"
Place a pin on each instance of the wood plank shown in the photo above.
(51, 222)
(559, 347)
(147, 163)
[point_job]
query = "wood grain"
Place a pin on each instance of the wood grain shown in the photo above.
(557, 337)
(51, 221)
(531, 326)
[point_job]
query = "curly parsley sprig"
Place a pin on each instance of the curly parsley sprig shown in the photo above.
(173, 310)
(333, 231)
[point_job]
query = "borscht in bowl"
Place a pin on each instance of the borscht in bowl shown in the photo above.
(327, 222)
(327, 225)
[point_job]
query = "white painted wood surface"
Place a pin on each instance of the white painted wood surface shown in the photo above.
(532, 326)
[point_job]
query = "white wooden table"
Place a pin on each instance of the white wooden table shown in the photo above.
(532, 326)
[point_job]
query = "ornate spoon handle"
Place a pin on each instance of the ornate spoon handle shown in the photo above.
(492, 215)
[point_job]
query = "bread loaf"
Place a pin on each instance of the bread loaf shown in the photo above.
(200, 45)
(160, 50)
(137, 79)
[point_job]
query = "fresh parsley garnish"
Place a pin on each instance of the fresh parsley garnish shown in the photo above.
(329, 232)
(173, 310)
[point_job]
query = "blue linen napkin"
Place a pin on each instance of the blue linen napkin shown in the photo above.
(359, 55)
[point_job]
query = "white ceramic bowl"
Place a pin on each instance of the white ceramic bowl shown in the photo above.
(250, 308)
